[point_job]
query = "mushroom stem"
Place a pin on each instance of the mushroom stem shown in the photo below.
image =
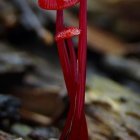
(79, 130)
(70, 74)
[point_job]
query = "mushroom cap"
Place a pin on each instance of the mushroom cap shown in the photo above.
(56, 4)
(67, 33)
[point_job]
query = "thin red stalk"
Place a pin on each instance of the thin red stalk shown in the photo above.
(71, 82)
(70, 117)
(63, 56)
(66, 70)
(74, 74)
(84, 131)
(82, 51)
(73, 58)
(81, 83)
(65, 62)
(79, 129)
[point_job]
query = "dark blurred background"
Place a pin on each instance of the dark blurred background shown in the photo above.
(33, 98)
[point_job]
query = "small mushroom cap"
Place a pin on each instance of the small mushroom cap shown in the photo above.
(56, 4)
(67, 33)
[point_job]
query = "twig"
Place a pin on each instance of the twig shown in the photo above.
(35, 117)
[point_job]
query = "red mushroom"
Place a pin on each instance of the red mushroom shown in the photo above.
(73, 65)
(67, 33)
(56, 4)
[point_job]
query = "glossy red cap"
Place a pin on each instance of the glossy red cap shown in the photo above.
(67, 33)
(56, 4)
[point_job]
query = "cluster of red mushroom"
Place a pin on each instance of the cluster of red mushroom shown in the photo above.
(73, 65)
